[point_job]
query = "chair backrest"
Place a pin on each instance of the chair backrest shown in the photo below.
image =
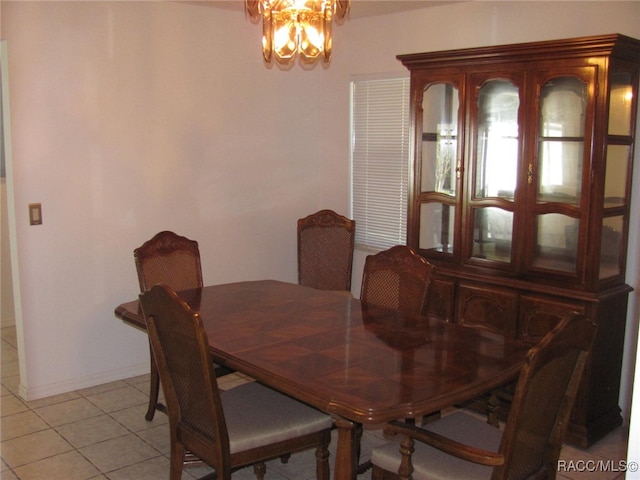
(181, 349)
(544, 397)
(325, 250)
(397, 278)
(169, 259)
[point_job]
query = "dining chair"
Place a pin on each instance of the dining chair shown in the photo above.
(461, 446)
(325, 250)
(172, 260)
(397, 278)
(243, 426)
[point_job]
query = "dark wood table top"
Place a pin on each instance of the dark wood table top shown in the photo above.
(362, 365)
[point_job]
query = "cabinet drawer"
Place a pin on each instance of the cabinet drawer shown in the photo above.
(538, 315)
(487, 307)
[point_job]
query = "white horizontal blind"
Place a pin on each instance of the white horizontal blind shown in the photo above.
(380, 160)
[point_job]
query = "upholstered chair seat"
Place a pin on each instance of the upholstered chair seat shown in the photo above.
(257, 415)
(433, 464)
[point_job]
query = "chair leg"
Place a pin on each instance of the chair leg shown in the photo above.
(406, 450)
(177, 461)
(378, 474)
(493, 410)
(221, 371)
(260, 469)
(322, 463)
(154, 389)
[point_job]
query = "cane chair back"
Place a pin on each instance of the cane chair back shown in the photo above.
(246, 425)
(169, 259)
(464, 447)
(398, 279)
(325, 251)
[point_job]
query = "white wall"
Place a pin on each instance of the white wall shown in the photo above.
(133, 117)
(129, 118)
(631, 372)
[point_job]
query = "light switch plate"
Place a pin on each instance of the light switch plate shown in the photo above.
(35, 214)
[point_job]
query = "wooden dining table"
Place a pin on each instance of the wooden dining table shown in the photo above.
(363, 365)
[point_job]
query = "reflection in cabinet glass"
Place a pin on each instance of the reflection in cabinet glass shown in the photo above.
(615, 178)
(492, 231)
(439, 139)
(557, 240)
(521, 196)
(439, 236)
(610, 250)
(497, 142)
(563, 104)
(621, 102)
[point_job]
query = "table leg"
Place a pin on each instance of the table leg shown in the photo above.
(346, 465)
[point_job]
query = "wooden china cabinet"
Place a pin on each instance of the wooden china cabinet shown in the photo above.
(520, 194)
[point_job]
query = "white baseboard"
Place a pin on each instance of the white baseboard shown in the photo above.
(44, 391)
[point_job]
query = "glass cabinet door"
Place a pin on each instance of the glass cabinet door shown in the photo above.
(495, 169)
(439, 167)
(558, 176)
(619, 152)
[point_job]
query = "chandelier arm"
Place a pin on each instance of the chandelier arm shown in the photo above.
(267, 35)
(252, 8)
(342, 8)
(328, 34)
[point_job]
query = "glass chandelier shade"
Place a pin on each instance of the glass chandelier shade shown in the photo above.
(296, 26)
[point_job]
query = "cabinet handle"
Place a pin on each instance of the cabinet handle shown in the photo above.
(530, 174)
(458, 169)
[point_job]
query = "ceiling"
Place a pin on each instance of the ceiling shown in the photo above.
(359, 8)
(368, 8)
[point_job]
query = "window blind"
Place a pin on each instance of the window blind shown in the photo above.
(379, 160)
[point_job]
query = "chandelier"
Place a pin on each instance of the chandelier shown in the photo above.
(296, 26)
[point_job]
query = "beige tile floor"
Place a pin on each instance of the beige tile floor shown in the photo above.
(101, 433)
